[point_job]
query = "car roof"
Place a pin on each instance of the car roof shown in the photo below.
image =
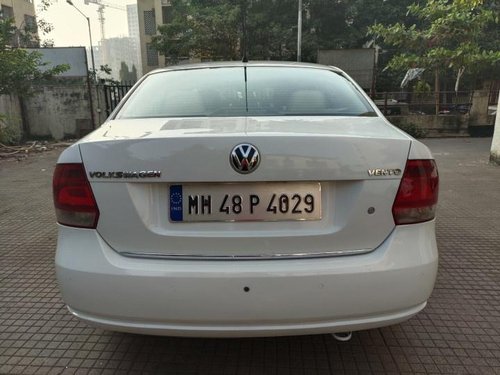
(232, 64)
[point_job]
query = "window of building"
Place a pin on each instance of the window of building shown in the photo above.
(6, 12)
(151, 55)
(149, 22)
(30, 22)
(30, 26)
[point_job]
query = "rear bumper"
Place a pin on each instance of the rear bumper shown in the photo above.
(247, 298)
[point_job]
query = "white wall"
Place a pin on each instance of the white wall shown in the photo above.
(59, 111)
(10, 110)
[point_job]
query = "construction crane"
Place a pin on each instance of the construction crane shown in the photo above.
(103, 4)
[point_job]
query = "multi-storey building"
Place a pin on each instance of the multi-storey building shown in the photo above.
(133, 32)
(114, 51)
(151, 14)
(118, 50)
(23, 13)
(132, 21)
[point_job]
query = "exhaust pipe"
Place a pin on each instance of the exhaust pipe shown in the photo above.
(342, 336)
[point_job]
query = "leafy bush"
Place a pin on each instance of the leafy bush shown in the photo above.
(412, 129)
(422, 88)
(10, 130)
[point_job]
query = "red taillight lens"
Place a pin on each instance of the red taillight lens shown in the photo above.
(73, 197)
(418, 193)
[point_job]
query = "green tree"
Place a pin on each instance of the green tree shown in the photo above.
(361, 14)
(226, 29)
(28, 35)
(446, 36)
(19, 67)
(229, 29)
(270, 29)
(104, 75)
(208, 29)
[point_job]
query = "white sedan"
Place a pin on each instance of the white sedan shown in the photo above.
(246, 199)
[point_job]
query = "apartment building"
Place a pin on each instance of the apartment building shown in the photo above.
(23, 13)
(133, 32)
(150, 16)
(118, 50)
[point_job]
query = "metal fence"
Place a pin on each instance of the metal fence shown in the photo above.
(113, 94)
(401, 103)
(391, 103)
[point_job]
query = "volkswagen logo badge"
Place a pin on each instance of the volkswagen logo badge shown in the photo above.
(244, 158)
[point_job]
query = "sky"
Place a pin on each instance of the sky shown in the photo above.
(70, 27)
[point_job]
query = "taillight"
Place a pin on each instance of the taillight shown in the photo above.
(418, 193)
(73, 198)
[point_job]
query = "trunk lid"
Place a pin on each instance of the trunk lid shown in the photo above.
(338, 152)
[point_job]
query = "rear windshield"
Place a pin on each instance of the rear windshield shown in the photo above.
(251, 91)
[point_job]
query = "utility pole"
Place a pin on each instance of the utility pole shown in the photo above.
(94, 72)
(90, 37)
(299, 32)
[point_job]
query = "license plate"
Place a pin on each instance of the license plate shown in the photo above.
(283, 201)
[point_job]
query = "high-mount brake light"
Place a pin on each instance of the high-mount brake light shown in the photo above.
(73, 198)
(418, 193)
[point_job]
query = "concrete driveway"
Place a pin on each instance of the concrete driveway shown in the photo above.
(458, 332)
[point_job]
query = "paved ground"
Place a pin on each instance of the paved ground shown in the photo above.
(459, 331)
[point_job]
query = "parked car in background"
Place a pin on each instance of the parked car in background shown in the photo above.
(246, 199)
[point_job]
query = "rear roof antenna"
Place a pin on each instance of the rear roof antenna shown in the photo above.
(244, 40)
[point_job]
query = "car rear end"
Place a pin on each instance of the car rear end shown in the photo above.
(261, 208)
